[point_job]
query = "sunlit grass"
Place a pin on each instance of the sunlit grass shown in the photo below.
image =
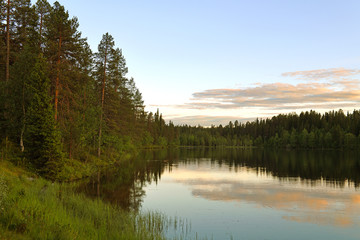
(33, 208)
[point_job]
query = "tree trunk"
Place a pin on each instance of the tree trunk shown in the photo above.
(71, 128)
(99, 140)
(40, 30)
(7, 77)
(98, 184)
(84, 104)
(7, 41)
(102, 105)
(56, 99)
(23, 120)
(70, 146)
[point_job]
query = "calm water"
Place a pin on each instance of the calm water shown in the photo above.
(243, 194)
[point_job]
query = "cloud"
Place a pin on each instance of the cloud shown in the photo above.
(277, 96)
(326, 205)
(337, 91)
(206, 120)
(321, 90)
(323, 73)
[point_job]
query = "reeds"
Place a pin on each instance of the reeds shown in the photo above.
(34, 208)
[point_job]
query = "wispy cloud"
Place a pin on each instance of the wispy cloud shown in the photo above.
(323, 73)
(206, 120)
(337, 91)
(318, 204)
(322, 90)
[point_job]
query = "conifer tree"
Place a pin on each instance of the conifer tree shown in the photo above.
(42, 9)
(62, 45)
(2, 40)
(7, 12)
(42, 138)
(70, 60)
(21, 94)
(25, 24)
(8, 24)
(103, 57)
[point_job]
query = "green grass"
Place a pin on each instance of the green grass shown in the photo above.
(34, 208)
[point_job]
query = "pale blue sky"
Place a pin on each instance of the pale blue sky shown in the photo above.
(176, 48)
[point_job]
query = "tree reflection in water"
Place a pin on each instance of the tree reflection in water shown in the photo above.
(123, 184)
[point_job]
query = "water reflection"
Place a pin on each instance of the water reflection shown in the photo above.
(336, 167)
(307, 186)
(123, 184)
(319, 203)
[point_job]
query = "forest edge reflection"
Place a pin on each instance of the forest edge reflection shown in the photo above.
(124, 185)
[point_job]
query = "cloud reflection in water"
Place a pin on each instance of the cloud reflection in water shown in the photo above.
(319, 203)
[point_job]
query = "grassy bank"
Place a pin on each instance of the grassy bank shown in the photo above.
(71, 169)
(34, 208)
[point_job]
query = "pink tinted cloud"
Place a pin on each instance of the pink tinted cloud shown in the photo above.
(337, 91)
(332, 73)
(206, 120)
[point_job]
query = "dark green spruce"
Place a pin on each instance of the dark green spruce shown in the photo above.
(42, 137)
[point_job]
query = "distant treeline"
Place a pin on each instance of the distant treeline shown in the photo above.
(333, 129)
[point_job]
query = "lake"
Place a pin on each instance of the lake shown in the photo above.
(241, 193)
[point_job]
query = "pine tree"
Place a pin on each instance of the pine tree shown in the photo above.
(42, 138)
(103, 56)
(7, 14)
(2, 40)
(63, 43)
(42, 9)
(8, 34)
(25, 25)
(70, 60)
(21, 94)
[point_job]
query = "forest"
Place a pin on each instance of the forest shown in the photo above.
(331, 130)
(63, 106)
(60, 101)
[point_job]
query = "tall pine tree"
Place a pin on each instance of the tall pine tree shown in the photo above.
(42, 138)
(104, 55)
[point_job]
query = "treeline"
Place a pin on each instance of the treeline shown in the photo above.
(309, 129)
(59, 101)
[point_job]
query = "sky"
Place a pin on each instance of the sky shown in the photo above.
(210, 62)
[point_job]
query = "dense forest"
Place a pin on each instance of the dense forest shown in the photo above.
(61, 103)
(309, 129)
